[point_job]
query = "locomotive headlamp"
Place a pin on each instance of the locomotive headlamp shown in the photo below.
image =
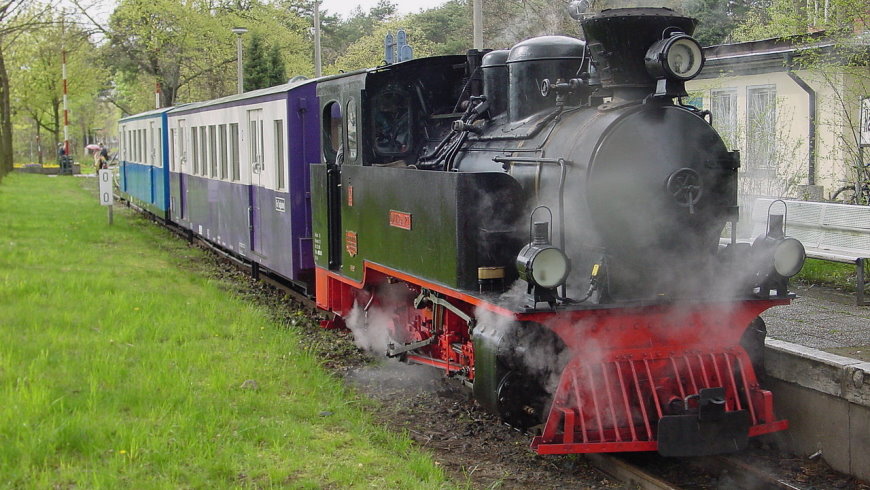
(778, 257)
(678, 57)
(543, 266)
(789, 257)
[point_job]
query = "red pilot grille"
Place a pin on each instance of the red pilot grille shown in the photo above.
(615, 404)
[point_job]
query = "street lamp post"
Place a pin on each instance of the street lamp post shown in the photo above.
(317, 62)
(238, 31)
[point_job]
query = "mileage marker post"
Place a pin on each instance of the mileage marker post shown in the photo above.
(106, 196)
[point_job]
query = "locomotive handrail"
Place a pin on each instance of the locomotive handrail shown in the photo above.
(784, 216)
(532, 221)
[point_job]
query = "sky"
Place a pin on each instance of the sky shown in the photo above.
(344, 7)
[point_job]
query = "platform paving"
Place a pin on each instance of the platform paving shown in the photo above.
(822, 318)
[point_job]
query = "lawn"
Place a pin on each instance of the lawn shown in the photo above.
(124, 364)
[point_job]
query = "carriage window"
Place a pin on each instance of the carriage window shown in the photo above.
(222, 149)
(158, 143)
(279, 153)
(212, 150)
(391, 118)
(172, 149)
(331, 131)
(203, 151)
(234, 151)
(351, 130)
(195, 148)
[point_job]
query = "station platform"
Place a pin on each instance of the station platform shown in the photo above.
(822, 318)
(817, 364)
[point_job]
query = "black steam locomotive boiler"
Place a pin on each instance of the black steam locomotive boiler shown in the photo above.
(543, 223)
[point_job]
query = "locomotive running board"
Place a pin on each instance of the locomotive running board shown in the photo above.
(612, 406)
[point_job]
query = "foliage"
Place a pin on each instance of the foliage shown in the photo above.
(781, 18)
(16, 17)
(35, 73)
(717, 18)
(506, 22)
(447, 27)
(188, 47)
(368, 51)
(126, 363)
(263, 67)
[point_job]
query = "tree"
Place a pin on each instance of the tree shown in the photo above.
(16, 17)
(263, 68)
(37, 76)
(276, 66)
(368, 51)
(717, 18)
(447, 27)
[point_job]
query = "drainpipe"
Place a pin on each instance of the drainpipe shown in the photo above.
(811, 101)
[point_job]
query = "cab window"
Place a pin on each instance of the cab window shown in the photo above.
(391, 116)
(332, 122)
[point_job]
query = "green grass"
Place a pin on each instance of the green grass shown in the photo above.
(122, 365)
(828, 273)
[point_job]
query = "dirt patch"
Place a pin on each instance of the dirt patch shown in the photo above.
(472, 445)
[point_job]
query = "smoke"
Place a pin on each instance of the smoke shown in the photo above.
(371, 328)
(374, 324)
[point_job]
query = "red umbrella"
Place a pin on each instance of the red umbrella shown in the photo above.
(92, 147)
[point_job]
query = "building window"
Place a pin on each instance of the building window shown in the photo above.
(723, 106)
(234, 151)
(760, 127)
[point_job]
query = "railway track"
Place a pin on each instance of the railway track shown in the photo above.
(637, 471)
(653, 472)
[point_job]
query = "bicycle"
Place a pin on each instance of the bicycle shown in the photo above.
(847, 194)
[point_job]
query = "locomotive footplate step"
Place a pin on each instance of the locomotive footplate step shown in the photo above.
(689, 435)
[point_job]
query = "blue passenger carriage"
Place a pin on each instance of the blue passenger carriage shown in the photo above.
(144, 178)
(239, 174)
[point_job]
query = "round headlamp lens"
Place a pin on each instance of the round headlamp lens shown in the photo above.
(789, 257)
(549, 268)
(684, 58)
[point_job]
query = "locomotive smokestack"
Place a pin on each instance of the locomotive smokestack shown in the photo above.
(619, 39)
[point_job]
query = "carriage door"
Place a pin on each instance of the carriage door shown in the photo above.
(183, 145)
(255, 148)
(333, 155)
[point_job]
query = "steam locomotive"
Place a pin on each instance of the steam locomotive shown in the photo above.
(542, 223)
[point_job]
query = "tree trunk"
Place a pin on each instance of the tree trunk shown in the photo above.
(39, 144)
(5, 121)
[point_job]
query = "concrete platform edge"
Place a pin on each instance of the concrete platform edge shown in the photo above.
(826, 399)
